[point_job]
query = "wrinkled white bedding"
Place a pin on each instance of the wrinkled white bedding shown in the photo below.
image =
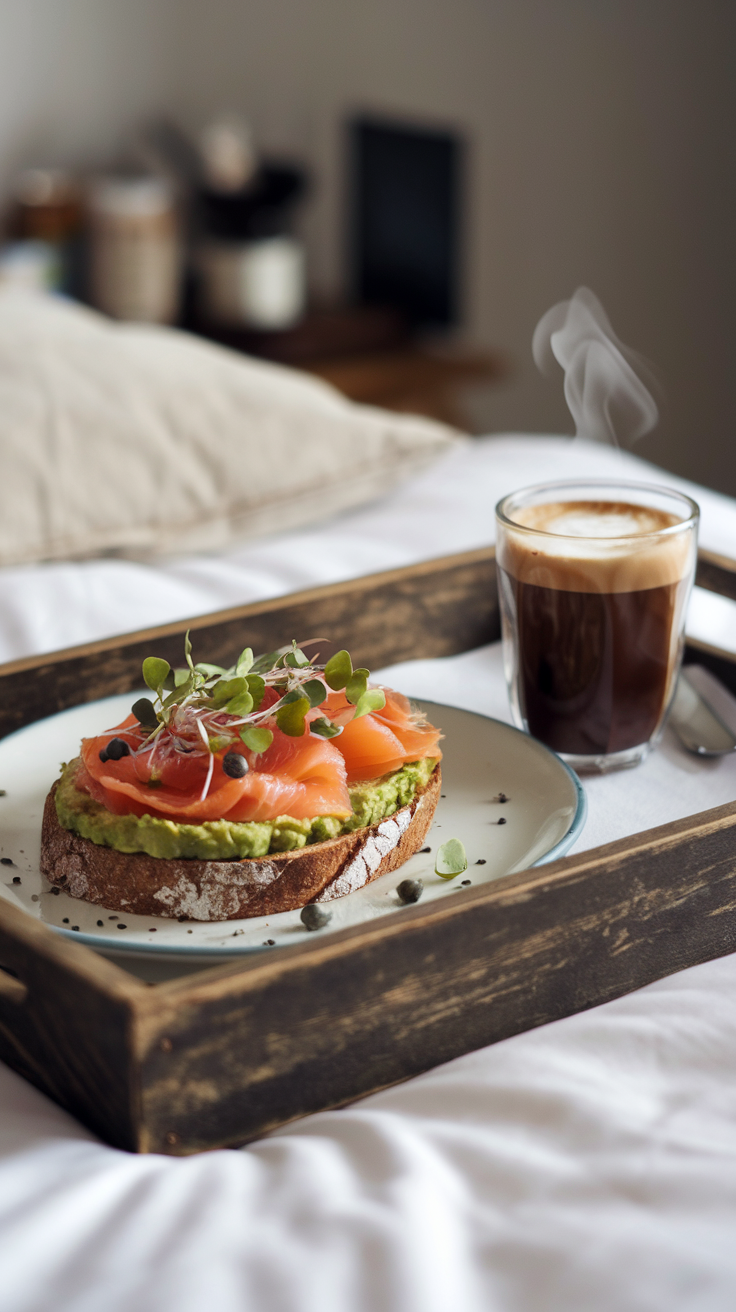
(448, 508)
(587, 1165)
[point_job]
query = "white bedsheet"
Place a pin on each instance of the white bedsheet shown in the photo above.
(449, 508)
(589, 1165)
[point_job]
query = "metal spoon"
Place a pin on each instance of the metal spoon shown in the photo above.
(695, 722)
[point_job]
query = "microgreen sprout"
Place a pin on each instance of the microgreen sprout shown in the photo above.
(202, 709)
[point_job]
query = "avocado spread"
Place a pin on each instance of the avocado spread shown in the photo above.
(220, 840)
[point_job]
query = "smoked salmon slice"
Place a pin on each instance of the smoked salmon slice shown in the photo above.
(300, 777)
(383, 741)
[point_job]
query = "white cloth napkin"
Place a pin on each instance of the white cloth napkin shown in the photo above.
(669, 784)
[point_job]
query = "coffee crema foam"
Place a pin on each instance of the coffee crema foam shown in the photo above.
(595, 546)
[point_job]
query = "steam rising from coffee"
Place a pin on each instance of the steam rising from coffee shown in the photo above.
(603, 384)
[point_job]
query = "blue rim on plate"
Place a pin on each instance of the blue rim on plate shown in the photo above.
(581, 805)
(578, 820)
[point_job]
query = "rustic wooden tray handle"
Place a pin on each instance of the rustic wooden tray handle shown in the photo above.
(11, 988)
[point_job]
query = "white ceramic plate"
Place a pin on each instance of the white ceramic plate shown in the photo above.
(543, 816)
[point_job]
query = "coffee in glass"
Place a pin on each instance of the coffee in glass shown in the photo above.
(594, 580)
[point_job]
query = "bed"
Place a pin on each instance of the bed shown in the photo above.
(588, 1164)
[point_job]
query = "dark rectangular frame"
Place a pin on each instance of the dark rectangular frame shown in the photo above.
(420, 277)
(219, 1057)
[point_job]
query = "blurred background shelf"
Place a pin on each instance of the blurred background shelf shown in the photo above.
(370, 355)
(413, 380)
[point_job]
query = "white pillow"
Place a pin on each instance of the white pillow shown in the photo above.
(120, 438)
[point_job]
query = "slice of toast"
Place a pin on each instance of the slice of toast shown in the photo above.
(188, 889)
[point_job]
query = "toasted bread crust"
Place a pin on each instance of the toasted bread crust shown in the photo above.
(187, 889)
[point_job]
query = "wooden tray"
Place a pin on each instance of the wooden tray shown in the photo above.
(219, 1057)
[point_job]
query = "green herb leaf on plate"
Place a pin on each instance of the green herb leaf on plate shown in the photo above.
(204, 667)
(295, 658)
(338, 670)
(244, 661)
(315, 690)
(262, 664)
(324, 728)
(451, 859)
(241, 705)
(226, 689)
(356, 685)
(258, 740)
(145, 713)
(154, 672)
(373, 699)
(290, 716)
(181, 691)
(256, 688)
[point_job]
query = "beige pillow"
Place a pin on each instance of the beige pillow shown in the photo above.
(120, 438)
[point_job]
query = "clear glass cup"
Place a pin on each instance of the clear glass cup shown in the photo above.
(594, 580)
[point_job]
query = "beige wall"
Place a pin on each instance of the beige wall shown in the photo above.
(75, 74)
(601, 143)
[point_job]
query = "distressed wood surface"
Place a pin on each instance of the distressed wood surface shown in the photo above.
(221, 1057)
(65, 1024)
(716, 573)
(436, 608)
(228, 1055)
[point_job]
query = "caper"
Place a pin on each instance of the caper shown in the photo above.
(314, 917)
(235, 765)
(117, 748)
(410, 890)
